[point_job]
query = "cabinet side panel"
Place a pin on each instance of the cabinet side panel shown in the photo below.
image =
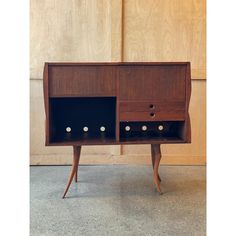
(46, 102)
(188, 95)
(117, 106)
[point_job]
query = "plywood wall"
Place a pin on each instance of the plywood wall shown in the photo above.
(116, 30)
(166, 30)
(72, 30)
(69, 30)
(171, 30)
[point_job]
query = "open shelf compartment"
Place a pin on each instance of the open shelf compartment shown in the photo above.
(151, 131)
(69, 118)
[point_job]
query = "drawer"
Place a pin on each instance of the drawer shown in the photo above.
(152, 116)
(152, 111)
(127, 106)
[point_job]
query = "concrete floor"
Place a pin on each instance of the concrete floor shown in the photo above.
(118, 200)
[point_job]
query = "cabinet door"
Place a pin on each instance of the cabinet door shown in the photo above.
(154, 82)
(82, 80)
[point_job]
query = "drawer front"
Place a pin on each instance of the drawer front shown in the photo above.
(149, 116)
(127, 106)
(77, 80)
(152, 111)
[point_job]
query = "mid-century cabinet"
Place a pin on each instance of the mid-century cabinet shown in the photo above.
(117, 103)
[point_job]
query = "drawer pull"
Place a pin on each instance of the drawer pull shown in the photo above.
(160, 127)
(102, 128)
(127, 128)
(85, 129)
(144, 128)
(152, 115)
(68, 129)
(151, 106)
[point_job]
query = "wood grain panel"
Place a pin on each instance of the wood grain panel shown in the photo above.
(69, 31)
(100, 81)
(171, 78)
(116, 30)
(166, 30)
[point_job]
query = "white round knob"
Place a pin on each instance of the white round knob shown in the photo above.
(144, 128)
(102, 128)
(160, 127)
(85, 129)
(68, 129)
(127, 128)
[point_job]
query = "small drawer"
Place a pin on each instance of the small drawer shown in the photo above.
(137, 106)
(127, 106)
(151, 111)
(152, 116)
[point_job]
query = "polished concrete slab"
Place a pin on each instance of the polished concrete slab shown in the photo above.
(118, 200)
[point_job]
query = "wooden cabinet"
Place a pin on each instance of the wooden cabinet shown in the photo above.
(93, 95)
(117, 103)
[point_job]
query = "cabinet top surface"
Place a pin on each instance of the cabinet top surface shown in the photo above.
(114, 63)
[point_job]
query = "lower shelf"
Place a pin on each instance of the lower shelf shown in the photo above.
(130, 133)
(166, 130)
(144, 140)
(83, 141)
(112, 141)
(86, 137)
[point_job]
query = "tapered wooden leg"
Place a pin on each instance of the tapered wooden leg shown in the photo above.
(156, 158)
(153, 161)
(74, 169)
(76, 174)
